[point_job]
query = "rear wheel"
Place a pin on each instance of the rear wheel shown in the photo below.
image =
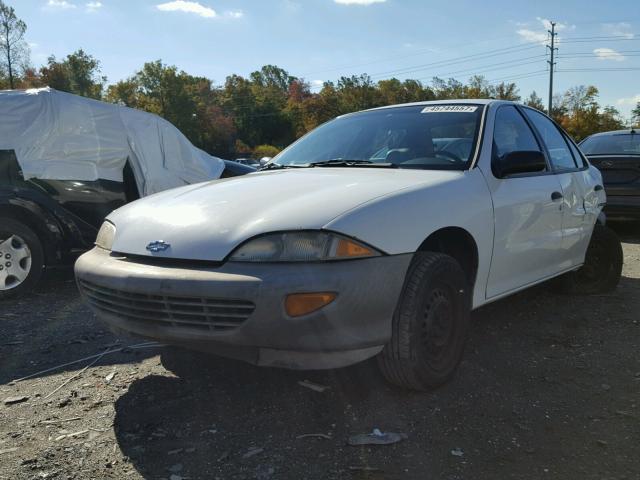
(21, 258)
(430, 324)
(602, 265)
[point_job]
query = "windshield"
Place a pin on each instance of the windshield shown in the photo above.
(616, 144)
(428, 137)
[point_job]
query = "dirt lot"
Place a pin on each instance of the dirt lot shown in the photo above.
(549, 388)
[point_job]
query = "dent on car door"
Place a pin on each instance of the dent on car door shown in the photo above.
(578, 212)
(527, 214)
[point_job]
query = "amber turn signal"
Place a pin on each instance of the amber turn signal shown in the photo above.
(298, 304)
(348, 249)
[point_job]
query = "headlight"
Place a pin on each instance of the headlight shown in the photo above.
(301, 247)
(106, 235)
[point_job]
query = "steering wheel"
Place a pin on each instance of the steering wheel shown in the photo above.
(450, 156)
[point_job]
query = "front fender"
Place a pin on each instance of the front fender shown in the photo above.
(398, 223)
(58, 231)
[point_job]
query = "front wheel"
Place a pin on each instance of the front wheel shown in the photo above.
(430, 324)
(21, 258)
(602, 265)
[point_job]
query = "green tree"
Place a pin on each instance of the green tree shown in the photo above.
(78, 73)
(506, 91)
(265, 151)
(535, 101)
(13, 49)
(610, 119)
(635, 114)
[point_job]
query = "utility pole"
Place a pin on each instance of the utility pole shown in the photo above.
(551, 62)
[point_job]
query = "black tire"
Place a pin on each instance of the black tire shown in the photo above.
(421, 354)
(602, 266)
(8, 228)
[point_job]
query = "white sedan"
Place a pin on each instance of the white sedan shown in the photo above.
(375, 234)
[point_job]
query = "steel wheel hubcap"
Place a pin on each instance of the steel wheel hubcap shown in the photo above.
(15, 262)
(438, 327)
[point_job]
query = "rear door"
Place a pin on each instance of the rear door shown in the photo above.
(577, 188)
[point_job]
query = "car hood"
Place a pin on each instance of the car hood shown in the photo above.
(208, 220)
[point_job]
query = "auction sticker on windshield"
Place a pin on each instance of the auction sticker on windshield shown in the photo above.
(449, 108)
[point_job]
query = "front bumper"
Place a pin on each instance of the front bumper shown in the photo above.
(237, 309)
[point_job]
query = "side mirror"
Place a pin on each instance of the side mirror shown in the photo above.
(522, 161)
(265, 160)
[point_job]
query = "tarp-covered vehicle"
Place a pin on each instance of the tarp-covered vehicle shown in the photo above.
(67, 161)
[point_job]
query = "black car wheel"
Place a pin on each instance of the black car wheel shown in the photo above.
(602, 265)
(430, 324)
(21, 258)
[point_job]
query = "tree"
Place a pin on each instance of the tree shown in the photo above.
(78, 73)
(610, 119)
(15, 52)
(262, 151)
(506, 91)
(635, 114)
(534, 101)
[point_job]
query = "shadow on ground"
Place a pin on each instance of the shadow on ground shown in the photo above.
(51, 326)
(528, 402)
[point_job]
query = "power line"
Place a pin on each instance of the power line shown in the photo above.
(457, 60)
(603, 69)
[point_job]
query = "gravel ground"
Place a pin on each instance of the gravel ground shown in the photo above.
(549, 388)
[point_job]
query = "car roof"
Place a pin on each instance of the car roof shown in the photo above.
(627, 131)
(476, 101)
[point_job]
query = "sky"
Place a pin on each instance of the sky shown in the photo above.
(598, 42)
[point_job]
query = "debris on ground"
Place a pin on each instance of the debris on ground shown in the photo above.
(253, 451)
(318, 435)
(364, 469)
(376, 437)
(457, 452)
(14, 400)
(109, 377)
(316, 387)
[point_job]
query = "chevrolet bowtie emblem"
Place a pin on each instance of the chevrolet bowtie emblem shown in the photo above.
(158, 246)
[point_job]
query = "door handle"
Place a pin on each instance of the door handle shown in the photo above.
(556, 196)
(598, 188)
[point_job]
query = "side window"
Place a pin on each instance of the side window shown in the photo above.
(576, 154)
(511, 133)
(559, 152)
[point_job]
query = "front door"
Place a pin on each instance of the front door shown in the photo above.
(527, 213)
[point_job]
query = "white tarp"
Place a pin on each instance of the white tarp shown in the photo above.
(61, 136)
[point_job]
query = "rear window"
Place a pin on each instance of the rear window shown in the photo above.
(616, 144)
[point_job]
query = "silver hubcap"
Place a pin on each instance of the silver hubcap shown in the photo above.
(15, 262)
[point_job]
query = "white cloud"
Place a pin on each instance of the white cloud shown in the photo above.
(540, 35)
(532, 36)
(608, 54)
(629, 100)
(234, 14)
(546, 23)
(358, 2)
(188, 7)
(93, 6)
(317, 83)
(633, 101)
(621, 29)
(62, 4)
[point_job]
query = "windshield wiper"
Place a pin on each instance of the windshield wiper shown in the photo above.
(342, 162)
(278, 166)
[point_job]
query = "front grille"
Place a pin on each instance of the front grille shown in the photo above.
(211, 314)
